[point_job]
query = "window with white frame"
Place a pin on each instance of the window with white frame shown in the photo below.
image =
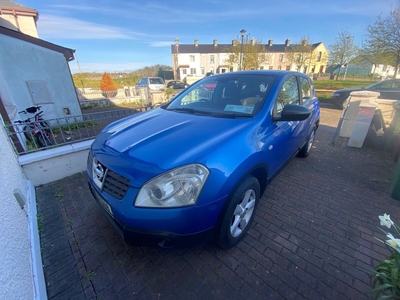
(191, 57)
(184, 71)
(193, 71)
(280, 57)
(212, 59)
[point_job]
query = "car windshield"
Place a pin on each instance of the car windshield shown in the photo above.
(229, 95)
(156, 81)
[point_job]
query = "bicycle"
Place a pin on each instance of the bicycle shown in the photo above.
(35, 128)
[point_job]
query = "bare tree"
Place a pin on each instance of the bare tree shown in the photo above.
(253, 53)
(383, 38)
(343, 51)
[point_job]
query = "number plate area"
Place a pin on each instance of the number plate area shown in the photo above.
(103, 203)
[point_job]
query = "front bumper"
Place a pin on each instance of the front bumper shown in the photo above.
(145, 237)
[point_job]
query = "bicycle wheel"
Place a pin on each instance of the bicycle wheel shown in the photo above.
(28, 134)
(43, 140)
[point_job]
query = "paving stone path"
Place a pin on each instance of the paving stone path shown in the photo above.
(313, 232)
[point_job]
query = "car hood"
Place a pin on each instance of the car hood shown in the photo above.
(160, 140)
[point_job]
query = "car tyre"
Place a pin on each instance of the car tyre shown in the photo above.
(239, 213)
(306, 149)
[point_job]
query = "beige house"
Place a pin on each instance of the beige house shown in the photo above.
(18, 17)
(195, 60)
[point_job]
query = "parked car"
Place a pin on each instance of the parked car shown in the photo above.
(176, 84)
(154, 84)
(194, 169)
(388, 89)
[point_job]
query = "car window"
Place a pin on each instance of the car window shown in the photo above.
(306, 89)
(156, 81)
(202, 93)
(289, 94)
(236, 93)
(389, 85)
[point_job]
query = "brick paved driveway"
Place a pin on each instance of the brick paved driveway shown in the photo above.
(314, 228)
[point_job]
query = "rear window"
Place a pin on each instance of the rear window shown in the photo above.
(156, 81)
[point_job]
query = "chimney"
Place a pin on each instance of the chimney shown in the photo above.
(215, 43)
(176, 42)
(253, 41)
(287, 43)
(234, 42)
(304, 42)
(270, 43)
(196, 42)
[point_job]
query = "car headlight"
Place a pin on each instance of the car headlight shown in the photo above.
(175, 188)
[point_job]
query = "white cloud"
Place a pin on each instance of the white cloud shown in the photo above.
(161, 44)
(52, 26)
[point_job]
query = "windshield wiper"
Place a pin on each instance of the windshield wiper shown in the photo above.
(230, 114)
(222, 114)
(185, 109)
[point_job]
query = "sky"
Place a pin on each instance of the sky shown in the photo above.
(123, 36)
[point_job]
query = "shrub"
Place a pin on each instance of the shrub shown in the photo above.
(107, 86)
(107, 83)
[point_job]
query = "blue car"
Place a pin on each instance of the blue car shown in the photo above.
(194, 169)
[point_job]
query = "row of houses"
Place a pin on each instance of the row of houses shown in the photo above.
(198, 59)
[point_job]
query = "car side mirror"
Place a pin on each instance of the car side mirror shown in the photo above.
(293, 112)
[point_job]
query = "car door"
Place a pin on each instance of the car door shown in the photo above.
(389, 90)
(282, 139)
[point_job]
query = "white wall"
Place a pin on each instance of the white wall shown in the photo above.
(21, 273)
(20, 62)
(25, 24)
(54, 164)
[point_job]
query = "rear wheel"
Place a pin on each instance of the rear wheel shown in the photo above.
(43, 140)
(306, 149)
(239, 213)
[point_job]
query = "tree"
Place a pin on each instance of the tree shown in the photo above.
(253, 52)
(107, 83)
(343, 51)
(383, 39)
(303, 56)
(107, 86)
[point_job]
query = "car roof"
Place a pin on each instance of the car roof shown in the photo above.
(262, 72)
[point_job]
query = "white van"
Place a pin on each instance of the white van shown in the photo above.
(154, 84)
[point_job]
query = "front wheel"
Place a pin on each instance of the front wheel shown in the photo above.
(239, 213)
(306, 149)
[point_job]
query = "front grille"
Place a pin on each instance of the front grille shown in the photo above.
(115, 185)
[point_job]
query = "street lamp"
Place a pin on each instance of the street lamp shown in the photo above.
(242, 32)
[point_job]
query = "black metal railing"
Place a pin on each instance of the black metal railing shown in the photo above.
(36, 136)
